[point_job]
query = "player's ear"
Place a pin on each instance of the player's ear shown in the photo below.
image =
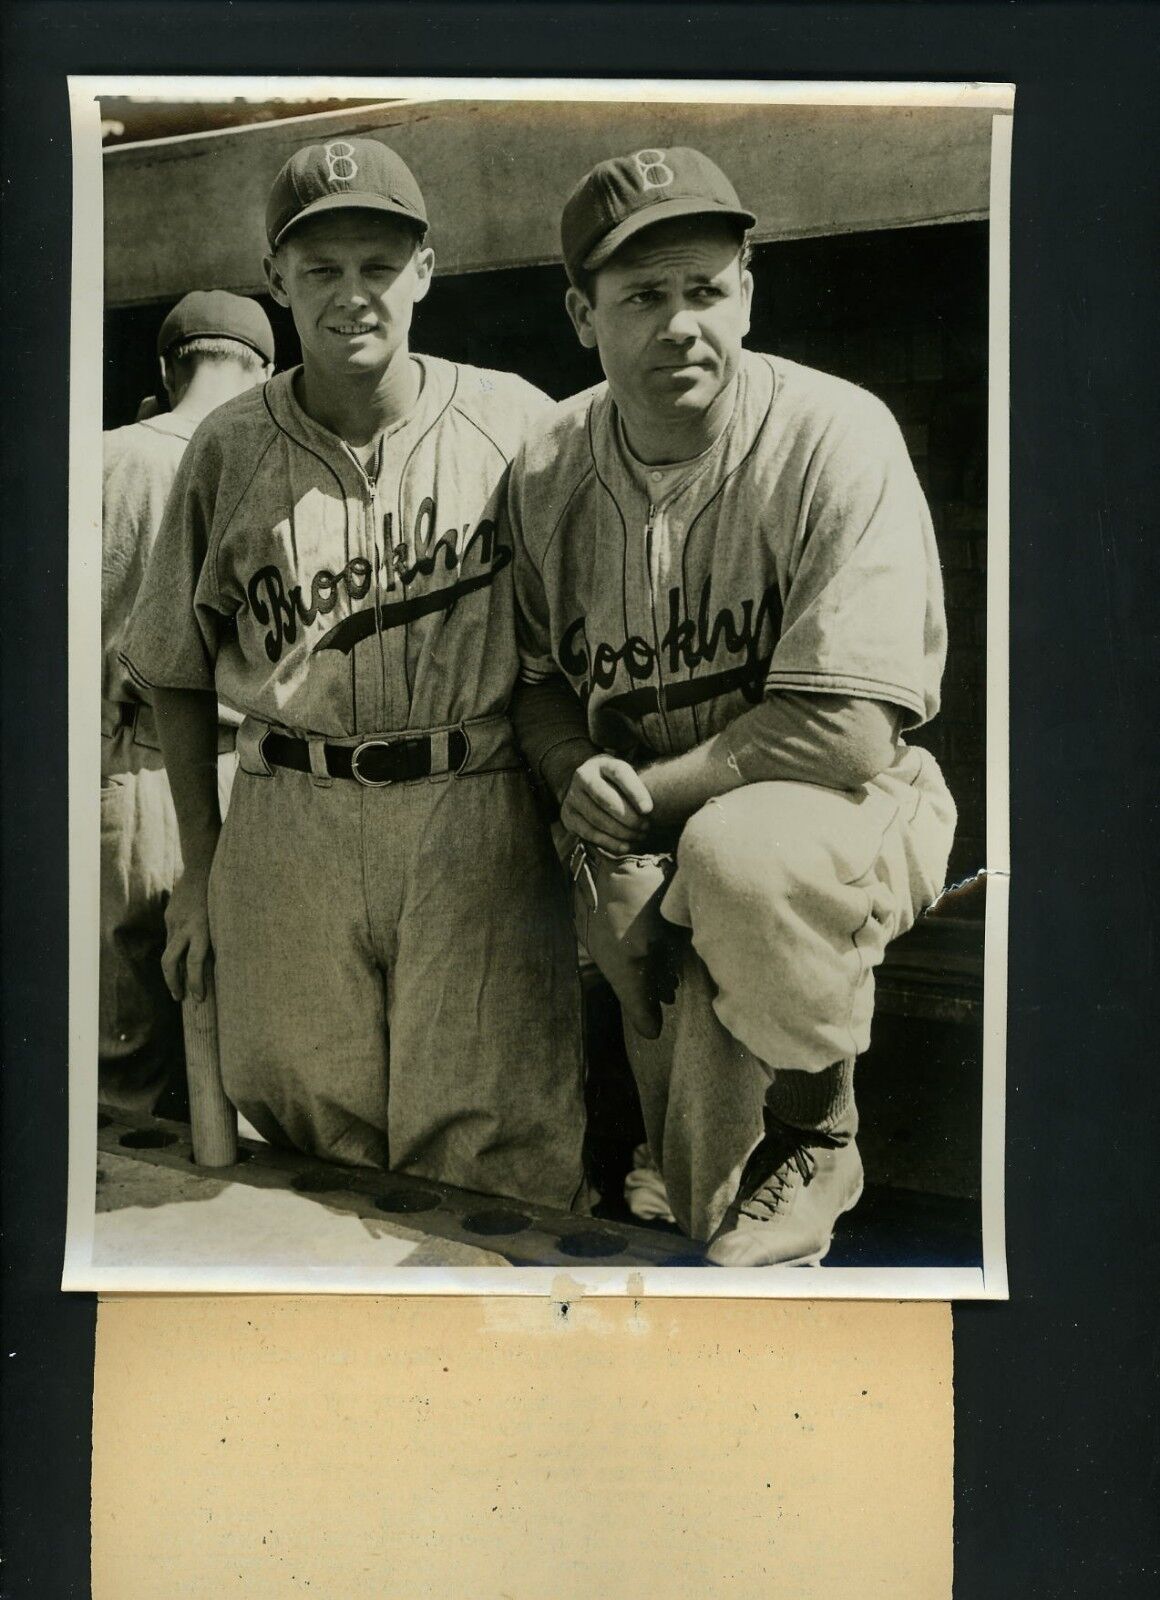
(746, 297)
(580, 312)
(167, 377)
(274, 280)
(424, 270)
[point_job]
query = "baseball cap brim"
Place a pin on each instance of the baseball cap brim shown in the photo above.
(351, 202)
(661, 212)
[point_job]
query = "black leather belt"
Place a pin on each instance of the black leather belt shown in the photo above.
(376, 762)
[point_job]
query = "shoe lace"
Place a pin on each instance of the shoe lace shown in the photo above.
(799, 1165)
(787, 1160)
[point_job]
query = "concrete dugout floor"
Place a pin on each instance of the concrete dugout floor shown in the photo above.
(279, 1209)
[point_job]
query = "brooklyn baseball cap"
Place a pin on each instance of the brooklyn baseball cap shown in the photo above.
(344, 174)
(217, 314)
(621, 196)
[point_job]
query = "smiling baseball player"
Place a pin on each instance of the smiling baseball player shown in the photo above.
(730, 609)
(395, 971)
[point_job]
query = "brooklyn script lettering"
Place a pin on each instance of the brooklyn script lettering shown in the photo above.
(281, 610)
(687, 643)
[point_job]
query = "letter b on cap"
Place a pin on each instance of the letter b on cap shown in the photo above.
(341, 166)
(654, 174)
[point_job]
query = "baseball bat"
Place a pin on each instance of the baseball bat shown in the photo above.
(213, 1120)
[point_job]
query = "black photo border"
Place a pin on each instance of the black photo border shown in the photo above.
(1055, 1392)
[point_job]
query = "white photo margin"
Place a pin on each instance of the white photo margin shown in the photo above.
(85, 410)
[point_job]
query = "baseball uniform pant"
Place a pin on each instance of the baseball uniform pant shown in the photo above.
(791, 893)
(141, 1053)
(397, 981)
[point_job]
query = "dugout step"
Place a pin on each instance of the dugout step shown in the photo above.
(889, 1227)
(522, 1234)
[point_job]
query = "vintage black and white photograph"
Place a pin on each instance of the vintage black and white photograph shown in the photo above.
(538, 687)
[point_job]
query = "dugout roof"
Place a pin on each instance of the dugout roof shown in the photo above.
(184, 212)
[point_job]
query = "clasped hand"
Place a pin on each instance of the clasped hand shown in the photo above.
(608, 805)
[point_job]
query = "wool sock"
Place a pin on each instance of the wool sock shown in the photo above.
(821, 1102)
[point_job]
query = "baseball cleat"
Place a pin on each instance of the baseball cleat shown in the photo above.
(796, 1185)
(645, 1194)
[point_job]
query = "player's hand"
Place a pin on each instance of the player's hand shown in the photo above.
(188, 952)
(607, 804)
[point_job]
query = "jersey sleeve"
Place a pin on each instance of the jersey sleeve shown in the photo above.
(837, 741)
(139, 468)
(175, 628)
(505, 404)
(863, 612)
(533, 617)
(529, 404)
(133, 496)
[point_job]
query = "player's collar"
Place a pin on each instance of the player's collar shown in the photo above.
(177, 426)
(661, 481)
(755, 391)
(283, 406)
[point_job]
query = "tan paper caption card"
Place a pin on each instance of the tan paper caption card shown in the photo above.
(521, 1449)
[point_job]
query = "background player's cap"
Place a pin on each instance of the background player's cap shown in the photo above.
(344, 174)
(217, 314)
(621, 196)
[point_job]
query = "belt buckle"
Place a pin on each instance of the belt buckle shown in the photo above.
(369, 744)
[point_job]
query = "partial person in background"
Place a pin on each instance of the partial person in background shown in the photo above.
(731, 609)
(212, 346)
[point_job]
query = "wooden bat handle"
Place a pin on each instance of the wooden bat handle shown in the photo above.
(213, 1120)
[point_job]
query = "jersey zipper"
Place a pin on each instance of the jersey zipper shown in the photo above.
(652, 607)
(382, 558)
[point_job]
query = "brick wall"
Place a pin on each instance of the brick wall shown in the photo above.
(902, 312)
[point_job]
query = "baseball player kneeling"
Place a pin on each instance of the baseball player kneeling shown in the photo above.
(394, 965)
(730, 610)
